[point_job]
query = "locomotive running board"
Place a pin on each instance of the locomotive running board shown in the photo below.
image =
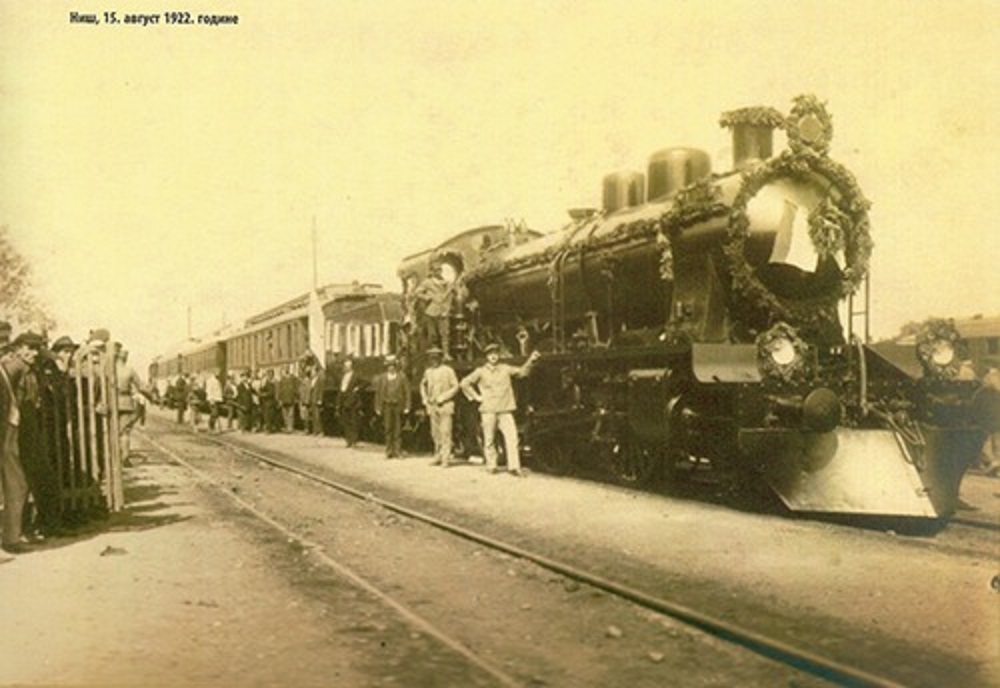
(872, 472)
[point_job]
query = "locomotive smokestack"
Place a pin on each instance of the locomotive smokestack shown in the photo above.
(753, 132)
(751, 143)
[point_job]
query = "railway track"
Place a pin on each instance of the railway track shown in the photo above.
(991, 526)
(784, 653)
(502, 677)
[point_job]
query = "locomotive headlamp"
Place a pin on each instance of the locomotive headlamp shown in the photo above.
(781, 353)
(943, 353)
(938, 348)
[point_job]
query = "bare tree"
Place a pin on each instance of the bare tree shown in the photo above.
(17, 300)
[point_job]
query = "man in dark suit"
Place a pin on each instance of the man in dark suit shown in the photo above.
(349, 402)
(13, 369)
(287, 394)
(392, 400)
(244, 402)
(271, 416)
(315, 386)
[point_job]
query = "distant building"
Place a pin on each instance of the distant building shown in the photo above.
(983, 338)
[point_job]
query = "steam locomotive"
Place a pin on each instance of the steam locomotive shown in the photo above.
(694, 323)
(697, 323)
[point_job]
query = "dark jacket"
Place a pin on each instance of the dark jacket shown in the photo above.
(350, 398)
(395, 391)
(288, 390)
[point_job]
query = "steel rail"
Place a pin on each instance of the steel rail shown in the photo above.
(992, 526)
(357, 579)
(777, 650)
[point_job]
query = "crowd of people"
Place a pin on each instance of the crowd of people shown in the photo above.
(34, 372)
(38, 400)
(292, 399)
(267, 401)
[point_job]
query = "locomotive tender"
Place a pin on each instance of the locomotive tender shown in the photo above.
(694, 321)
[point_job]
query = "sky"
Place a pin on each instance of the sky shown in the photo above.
(151, 171)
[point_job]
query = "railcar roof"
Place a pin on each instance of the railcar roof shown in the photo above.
(381, 308)
(974, 328)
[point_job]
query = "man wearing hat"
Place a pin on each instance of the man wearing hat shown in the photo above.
(490, 385)
(49, 416)
(129, 388)
(437, 391)
(438, 295)
(349, 402)
(13, 369)
(392, 400)
(62, 352)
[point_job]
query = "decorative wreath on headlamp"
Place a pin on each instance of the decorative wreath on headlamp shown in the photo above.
(940, 348)
(781, 353)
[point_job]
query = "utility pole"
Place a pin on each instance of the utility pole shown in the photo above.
(189, 322)
(314, 251)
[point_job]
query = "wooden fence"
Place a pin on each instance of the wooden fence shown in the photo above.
(76, 438)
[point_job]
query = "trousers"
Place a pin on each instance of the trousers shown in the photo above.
(392, 418)
(505, 422)
(15, 487)
(441, 425)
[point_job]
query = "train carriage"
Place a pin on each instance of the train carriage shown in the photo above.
(365, 330)
(274, 343)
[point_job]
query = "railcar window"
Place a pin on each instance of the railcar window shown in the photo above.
(392, 338)
(331, 336)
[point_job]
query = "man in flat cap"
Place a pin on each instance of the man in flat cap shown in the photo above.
(490, 385)
(13, 369)
(437, 392)
(392, 400)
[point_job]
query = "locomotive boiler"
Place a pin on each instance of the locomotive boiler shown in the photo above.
(694, 322)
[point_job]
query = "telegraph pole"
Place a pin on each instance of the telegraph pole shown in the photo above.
(314, 252)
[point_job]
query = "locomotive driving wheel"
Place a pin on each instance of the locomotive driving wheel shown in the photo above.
(636, 463)
(548, 455)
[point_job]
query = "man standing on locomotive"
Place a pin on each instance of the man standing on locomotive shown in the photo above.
(392, 401)
(437, 391)
(437, 294)
(497, 404)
